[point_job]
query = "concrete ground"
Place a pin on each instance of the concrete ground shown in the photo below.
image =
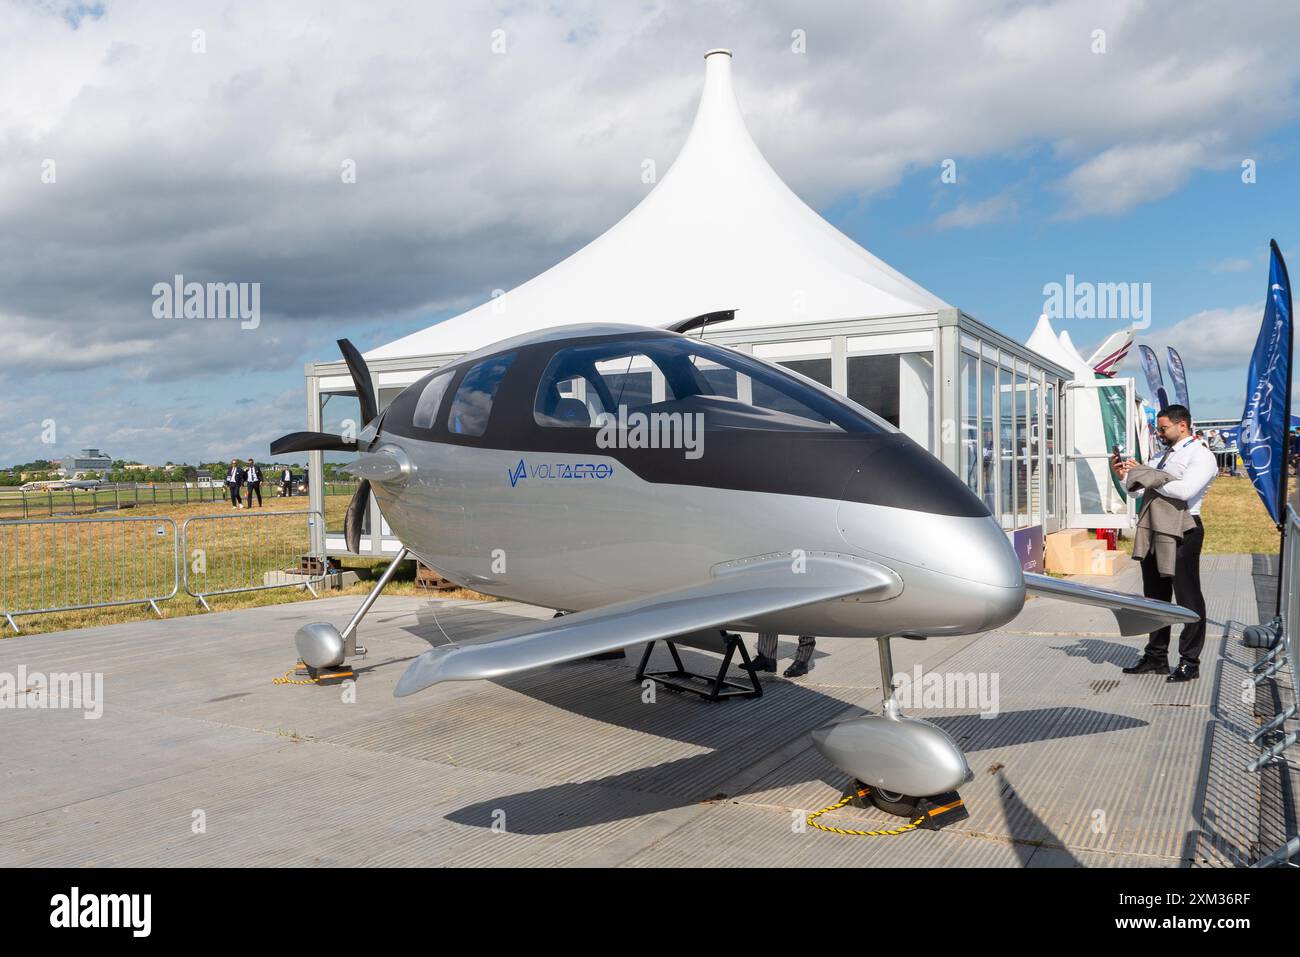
(199, 759)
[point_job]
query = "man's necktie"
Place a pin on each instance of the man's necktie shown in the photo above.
(1168, 452)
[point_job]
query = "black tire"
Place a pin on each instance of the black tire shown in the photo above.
(891, 802)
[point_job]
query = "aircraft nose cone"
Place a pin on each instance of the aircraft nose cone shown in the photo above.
(985, 567)
(995, 557)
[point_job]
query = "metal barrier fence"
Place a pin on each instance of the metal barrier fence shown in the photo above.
(247, 551)
(71, 564)
(53, 503)
(1281, 654)
(62, 564)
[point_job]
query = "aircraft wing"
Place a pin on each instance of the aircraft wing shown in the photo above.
(1136, 615)
(735, 591)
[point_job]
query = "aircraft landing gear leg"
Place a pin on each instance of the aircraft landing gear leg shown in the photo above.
(891, 802)
(894, 758)
(321, 646)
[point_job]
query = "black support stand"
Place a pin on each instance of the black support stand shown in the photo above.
(716, 687)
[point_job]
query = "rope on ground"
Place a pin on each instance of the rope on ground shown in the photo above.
(862, 792)
(286, 680)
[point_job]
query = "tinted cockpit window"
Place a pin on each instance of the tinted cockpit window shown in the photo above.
(426, 409)
(678, 375)
(473, 402)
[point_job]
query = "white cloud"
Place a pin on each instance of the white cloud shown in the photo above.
(1232, 265)
(1122, 177)
(1207, 340)
(475, 170)
(978, 213)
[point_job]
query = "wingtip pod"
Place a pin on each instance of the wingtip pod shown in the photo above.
(1134, 614)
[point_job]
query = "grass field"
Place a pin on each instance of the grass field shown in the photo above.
(17, 504)
(121, 559)
(1235, 522)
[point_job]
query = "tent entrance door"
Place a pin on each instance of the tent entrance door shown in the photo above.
(1098, 417)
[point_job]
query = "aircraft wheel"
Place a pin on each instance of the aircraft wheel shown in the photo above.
(892, 802)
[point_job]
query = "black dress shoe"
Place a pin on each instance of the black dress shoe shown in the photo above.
(797, 670)
(1185, 673)
(1148, 664)
(760, 663)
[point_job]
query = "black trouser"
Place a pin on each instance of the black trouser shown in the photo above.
(255, 487)
(234, 493)
(1184, 586)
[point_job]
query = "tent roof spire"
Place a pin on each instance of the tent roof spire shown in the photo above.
(721, 230)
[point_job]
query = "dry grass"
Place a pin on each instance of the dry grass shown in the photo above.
(1235, 519)
(122, 560)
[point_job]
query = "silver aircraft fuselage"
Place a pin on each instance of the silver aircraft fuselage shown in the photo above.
(545, 517)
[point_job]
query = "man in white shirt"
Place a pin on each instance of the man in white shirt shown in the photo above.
(235, 483)
(1194, 468)
(254, 479)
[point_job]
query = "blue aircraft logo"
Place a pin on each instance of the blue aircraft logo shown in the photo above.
(517, 473)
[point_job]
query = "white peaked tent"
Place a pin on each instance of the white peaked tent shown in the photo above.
(1047, 344)
(719, 231)
(1072, 351)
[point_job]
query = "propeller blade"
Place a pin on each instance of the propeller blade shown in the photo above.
(352, 520)
(312, 442)
(361, 379)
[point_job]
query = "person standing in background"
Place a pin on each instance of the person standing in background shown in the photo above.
(235, 482)
(254, 479)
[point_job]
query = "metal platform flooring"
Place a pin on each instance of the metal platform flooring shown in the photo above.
(199, 759)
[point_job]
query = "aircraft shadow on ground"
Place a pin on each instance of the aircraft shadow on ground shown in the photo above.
(1099, 651)
(735, 734)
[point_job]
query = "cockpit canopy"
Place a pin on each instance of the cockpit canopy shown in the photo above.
(581, 382)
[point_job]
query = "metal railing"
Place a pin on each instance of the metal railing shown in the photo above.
(1280, 655)
(55, 503)
(247, 551)
(67, 564)
(71, 564)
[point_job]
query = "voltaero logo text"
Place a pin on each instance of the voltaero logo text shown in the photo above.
(559, 470)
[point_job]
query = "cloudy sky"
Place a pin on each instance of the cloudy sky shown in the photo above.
(143, 140)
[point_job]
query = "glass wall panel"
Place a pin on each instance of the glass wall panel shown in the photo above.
(1035, 453)
(1007, 447)
(873, 383)
(899, 388)
(988, 445)
(968, 395)
(1022, 452)
(819, 370)
(1049, 436)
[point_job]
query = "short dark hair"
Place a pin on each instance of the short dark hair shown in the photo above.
(1175, 414)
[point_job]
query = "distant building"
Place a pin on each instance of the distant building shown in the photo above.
(90, 460)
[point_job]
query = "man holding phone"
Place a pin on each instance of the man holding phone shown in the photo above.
(1193, 468)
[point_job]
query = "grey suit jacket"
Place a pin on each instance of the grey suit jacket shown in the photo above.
(1162, 522)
